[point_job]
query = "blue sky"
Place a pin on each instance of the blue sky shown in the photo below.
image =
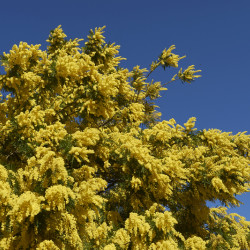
(214, 35)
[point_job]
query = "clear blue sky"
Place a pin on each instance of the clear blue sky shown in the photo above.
(214, 35)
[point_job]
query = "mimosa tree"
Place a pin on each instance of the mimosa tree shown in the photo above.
(87, 163)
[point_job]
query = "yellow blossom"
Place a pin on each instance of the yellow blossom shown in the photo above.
(188, 74)
(168, 58)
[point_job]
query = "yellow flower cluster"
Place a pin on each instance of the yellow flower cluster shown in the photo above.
(135, 183)
(194, 243)
(122, 238)
(231, 225)
(168, 58)
(22, 56)
(188, 74)
(27, 205)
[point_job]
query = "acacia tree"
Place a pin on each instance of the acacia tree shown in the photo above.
(87, 163)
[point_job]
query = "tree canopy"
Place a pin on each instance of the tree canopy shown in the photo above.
(87, 163)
